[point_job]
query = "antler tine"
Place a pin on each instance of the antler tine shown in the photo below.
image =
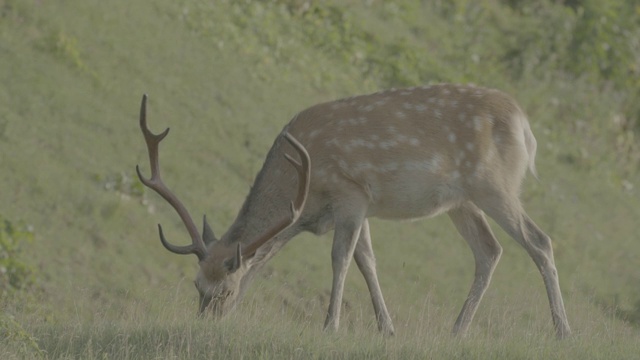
(303, 168)
(197, 246)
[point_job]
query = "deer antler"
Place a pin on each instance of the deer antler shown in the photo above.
(155, 182)
(304, 169)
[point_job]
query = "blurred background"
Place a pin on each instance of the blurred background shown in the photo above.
(82, 273)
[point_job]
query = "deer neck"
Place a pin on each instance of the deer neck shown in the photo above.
(267, 203)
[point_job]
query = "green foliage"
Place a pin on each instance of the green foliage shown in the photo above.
(16, 276)
(65, 47)
(12, 9)
(497, 43)
(123, 184)
(15, 273)
(13, 335)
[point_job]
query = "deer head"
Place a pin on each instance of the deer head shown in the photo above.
(222, 264)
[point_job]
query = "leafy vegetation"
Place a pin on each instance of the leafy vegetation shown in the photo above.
(226, 76)
(15, 274)
(16, 278)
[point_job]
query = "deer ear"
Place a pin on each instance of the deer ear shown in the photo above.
(232, 264)
(207, 234)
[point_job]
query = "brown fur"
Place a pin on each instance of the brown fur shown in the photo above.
(397, 154)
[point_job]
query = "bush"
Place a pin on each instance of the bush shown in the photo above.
(15, 274)
(16, 277)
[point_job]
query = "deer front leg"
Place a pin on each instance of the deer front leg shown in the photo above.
(366, 262)
(347, 231)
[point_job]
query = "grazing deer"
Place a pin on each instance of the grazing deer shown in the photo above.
(397, 154)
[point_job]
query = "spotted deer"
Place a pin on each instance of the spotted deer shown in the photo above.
(397, 154)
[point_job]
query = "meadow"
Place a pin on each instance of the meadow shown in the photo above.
(86, 276)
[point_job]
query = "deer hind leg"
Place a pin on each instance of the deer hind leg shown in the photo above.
(472, 225)
(345, 238)
(509, 214)
(366, 262)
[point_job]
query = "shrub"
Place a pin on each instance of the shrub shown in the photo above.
(15, 274)
(16, 277)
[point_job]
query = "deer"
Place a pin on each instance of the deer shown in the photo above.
(398, 154)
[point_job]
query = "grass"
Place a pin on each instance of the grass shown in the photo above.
(226, 78)
(253, 332)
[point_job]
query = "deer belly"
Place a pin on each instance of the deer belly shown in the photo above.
(410, 198)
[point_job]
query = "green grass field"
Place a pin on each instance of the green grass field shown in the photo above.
(226, 76)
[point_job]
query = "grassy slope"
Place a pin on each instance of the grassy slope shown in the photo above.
(72, 75)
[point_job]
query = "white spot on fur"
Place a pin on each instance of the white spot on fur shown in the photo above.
(490, 155)
(385, 145)
(430, 166)
(321, 173)
(333, 142)
(470, 146)
(414, 142)
(415, 165)
(357, 142)
(400, 115)
(388, 167)
(421, 108)
(452, 137)
(477, 123)
(479, 171)
(354, 143)
(436, 161)
(365, 166)
(314, 133)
